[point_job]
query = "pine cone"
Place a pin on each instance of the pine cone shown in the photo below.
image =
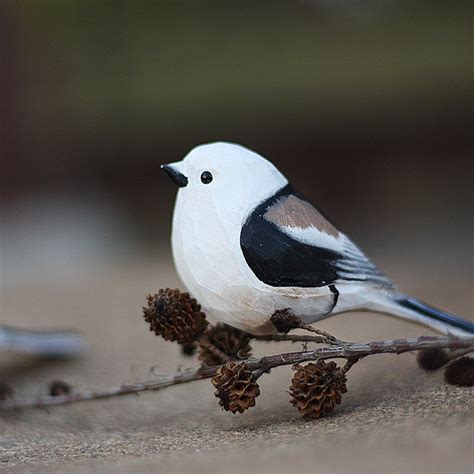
(317, 388)
(460, 372)
(58, 388)
(175, 316)
(6, 391)
(236, 387)
(231, 341)
(284, 321)
(432, 359)
(188, 349)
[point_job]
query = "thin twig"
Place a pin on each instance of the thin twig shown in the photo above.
(350, 362)
(328, 338)
(350, 351)
(459, 353)
(291, 338)
(203, 342)
(285, 320)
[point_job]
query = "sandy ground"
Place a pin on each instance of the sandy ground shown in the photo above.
(394, 418)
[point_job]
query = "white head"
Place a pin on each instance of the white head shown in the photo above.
(225, 176)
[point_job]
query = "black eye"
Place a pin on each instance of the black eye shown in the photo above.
(206, 177)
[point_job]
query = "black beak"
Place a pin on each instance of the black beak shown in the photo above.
(175, 175)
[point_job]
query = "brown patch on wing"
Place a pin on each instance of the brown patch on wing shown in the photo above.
(292, 211)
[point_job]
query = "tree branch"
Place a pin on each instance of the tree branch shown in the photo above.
(350, 351)
(291, 338)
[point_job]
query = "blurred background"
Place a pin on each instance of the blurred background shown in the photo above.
(365, 105)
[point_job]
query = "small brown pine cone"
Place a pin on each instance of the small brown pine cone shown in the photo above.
(317, 388)
(58, 388)
(284, 321)
(175, 316)
(188, 349)
(236, 387)
(6, 391)
(432, 359)
(460, 372)
(231, 341)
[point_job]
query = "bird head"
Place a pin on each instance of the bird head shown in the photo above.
(224, 175)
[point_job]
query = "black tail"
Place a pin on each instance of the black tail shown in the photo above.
(435, 314)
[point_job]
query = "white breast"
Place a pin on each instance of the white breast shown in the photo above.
(208, 259)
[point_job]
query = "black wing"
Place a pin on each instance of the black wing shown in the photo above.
(280, 260)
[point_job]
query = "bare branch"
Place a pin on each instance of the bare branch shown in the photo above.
(350, 351)
(203, 342)
(291, 338)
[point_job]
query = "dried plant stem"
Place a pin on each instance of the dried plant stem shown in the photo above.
(203, 342)
(350, 362)
(328, 338)
(293, 338)
(349, 351)
(459, 353)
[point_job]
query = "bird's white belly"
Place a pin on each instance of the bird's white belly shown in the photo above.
(209, 261)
